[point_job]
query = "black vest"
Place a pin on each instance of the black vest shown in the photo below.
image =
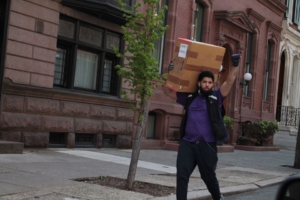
(214, 113)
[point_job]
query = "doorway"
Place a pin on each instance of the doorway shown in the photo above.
(151, 125)
(280, 87)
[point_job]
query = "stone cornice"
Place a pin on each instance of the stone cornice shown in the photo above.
(104, 9)
(273, 26)
(292, 35)
(236, 17)
(58, 94)
(255, 15)
(274, 5)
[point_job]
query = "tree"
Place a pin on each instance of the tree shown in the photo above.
(297, 152)
(140, 69)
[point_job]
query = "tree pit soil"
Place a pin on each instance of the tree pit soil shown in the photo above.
(155, 190)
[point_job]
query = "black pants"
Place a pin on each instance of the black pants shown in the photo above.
(204, 155)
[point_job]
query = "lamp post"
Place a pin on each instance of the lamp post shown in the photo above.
(247, 78)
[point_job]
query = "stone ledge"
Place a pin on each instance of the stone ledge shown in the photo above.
(7, 147)
(257, 148)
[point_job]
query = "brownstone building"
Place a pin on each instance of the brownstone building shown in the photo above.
(60, 88)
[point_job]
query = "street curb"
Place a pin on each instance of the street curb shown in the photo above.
(270, 182)
(227, 190)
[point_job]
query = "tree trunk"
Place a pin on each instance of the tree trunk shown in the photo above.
(136, 148)
(297, 152)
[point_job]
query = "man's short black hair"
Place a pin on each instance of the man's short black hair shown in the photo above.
(207, 74)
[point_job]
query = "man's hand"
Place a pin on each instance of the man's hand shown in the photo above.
(235, 58)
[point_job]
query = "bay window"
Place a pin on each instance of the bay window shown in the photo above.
(85, 59)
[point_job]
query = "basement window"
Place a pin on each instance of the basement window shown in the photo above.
(85, 140)
(109, 141)
(57, 139)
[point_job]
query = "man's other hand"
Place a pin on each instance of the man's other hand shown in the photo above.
(235, 58)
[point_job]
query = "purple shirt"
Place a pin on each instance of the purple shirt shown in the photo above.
(198, 125)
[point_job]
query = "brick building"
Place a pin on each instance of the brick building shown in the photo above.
(59, 87)
(252, 28)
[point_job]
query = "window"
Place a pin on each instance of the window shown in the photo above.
(128, 2)
(109, 141)
(57, 139)
(159, 44)
(248, 61)
(296, 14)
(267, 75)
(293, 12)
(198, 22)
(85, 59)
(85, 140)
(287, 3)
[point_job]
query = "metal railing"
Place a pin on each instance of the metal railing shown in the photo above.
(288, 116)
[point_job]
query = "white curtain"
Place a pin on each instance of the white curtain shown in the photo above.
(86, 70)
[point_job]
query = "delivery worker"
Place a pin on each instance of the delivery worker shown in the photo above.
(201, 128)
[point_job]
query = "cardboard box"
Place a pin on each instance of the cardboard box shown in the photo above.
(190, 59)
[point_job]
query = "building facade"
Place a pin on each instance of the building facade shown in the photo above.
(288, 85)
(60, 87)
(251, 28)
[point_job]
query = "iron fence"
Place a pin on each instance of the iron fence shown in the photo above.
(288, 116)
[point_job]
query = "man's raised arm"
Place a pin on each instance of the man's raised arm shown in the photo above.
(226, 86)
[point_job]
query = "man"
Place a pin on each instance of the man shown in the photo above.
(202, 127)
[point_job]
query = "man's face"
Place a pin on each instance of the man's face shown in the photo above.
(206, 84)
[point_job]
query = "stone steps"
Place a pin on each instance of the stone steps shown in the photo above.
(8, 147)
(290, 129)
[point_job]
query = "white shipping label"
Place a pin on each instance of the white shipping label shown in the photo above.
(182, 50)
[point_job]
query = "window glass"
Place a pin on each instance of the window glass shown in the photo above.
(128, 2)
(159, 44)
(86, 70)
(112, 40)
(198, 23)
(266, 85)
(66, 29)
(60, 59)
(296, 14)
(90, 36)
(80, 63)
(287, 3)
(108, 65)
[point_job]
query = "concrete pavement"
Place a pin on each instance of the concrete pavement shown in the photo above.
(48, 173)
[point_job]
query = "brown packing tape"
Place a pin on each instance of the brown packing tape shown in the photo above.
(176, 80)
(200, 69)
(190, 54)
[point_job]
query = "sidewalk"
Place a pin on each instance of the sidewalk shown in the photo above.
(47, 174)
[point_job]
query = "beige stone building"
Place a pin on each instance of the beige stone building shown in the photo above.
(288, 99)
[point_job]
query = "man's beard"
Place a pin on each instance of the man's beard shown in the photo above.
(205, 93)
